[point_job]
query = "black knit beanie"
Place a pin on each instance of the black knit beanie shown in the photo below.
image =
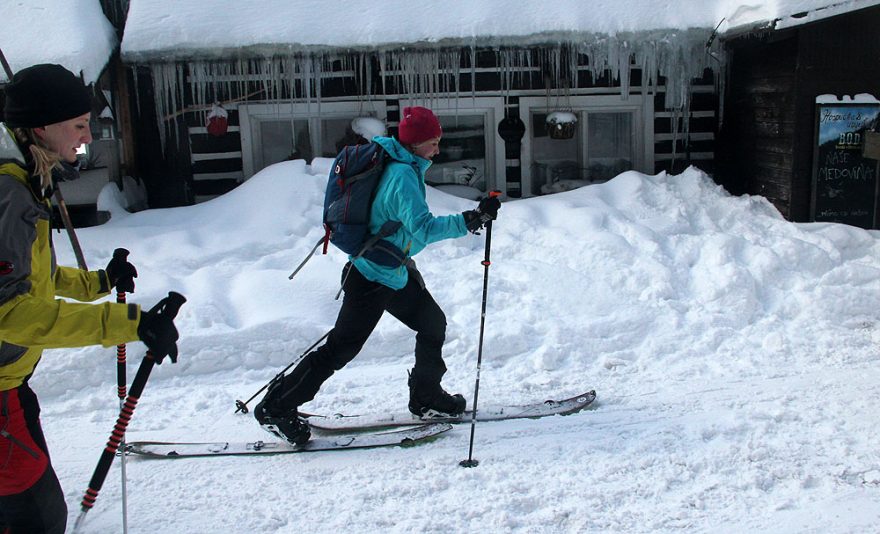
(44, 94)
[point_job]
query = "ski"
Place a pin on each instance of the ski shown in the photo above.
(358, 423)
(405, 437)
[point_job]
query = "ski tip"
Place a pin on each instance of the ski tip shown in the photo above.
(589, 396)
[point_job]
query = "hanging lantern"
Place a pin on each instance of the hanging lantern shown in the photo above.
(218, 120)
(511, 129)
(561, 124)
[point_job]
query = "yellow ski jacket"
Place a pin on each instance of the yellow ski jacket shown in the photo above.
(31, 317)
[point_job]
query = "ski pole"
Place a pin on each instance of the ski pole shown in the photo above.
(471, 462)
(242, 406)
(175, 301)
(311, 253)
(122, 254)
(5, 64)
(71, 233)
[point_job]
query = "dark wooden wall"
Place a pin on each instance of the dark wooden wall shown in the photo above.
(756, 142)
(767, 136)
(839, 56)
(165, 170)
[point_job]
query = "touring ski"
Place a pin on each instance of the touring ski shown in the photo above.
(404, 437)
(356, 423)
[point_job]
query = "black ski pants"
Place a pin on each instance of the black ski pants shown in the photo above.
(31, 499)
(362, 307)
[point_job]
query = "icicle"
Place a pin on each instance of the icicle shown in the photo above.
(623, 68)
(473, 71)
(430, 74)
(291, 66)
(164, 87)
(383, 71)
(243, 81)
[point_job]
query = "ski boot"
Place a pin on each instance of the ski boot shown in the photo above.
(285, 424)
(427, 400)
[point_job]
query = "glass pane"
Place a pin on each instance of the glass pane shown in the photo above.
(277, 142)
(302, 141)
(335, 134)
(463, 159)
(553, 159)
(609, 145)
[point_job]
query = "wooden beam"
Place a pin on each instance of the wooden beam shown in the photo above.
(124, 120)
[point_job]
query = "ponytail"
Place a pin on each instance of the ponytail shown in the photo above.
(44, 160)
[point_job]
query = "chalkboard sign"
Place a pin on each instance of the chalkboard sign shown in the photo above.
(844, 181)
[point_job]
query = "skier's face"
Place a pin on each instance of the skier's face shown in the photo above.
(427, 149)
(66, 136)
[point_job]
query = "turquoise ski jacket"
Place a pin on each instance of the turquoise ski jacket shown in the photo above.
(400, 196)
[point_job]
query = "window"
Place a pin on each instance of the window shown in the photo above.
(282, 140)
(471, 153)
(271, 133)
(610, 136)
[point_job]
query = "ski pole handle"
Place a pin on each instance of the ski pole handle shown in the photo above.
(121, 348)
(121, 254)
(173, 304)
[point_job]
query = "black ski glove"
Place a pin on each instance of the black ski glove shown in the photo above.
(121, 273)
(486, 211)
(158, 332)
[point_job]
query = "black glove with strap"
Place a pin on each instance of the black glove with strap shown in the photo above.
(486, 211)
(121, 273)
(157, 329)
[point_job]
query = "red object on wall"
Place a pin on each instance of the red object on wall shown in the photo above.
(218, 121)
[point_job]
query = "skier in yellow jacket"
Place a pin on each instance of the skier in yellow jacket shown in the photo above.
(46, 118)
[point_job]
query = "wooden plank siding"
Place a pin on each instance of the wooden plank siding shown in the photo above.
(759, 123)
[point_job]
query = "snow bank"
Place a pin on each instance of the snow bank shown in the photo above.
(734, 354)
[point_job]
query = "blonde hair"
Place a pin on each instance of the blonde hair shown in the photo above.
(44, 159)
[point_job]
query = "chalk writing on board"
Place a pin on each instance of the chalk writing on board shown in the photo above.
(845, 182)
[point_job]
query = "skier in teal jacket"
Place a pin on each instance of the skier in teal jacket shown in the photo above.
(401, 197)
(372, 289)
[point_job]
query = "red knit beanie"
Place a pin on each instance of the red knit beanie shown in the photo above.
(418, 125)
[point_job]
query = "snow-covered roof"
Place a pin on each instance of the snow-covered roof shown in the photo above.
(73, 33)
(788, 13)
(165, 30)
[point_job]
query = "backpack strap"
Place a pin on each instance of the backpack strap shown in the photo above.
(377, 250)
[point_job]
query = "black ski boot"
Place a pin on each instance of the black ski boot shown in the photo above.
(428, 399)
(286, 424)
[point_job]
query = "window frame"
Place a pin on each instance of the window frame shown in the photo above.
(492, 108)
(251, 115)
(640, 106)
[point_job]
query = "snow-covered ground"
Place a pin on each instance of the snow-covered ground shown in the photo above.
(734, 355)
